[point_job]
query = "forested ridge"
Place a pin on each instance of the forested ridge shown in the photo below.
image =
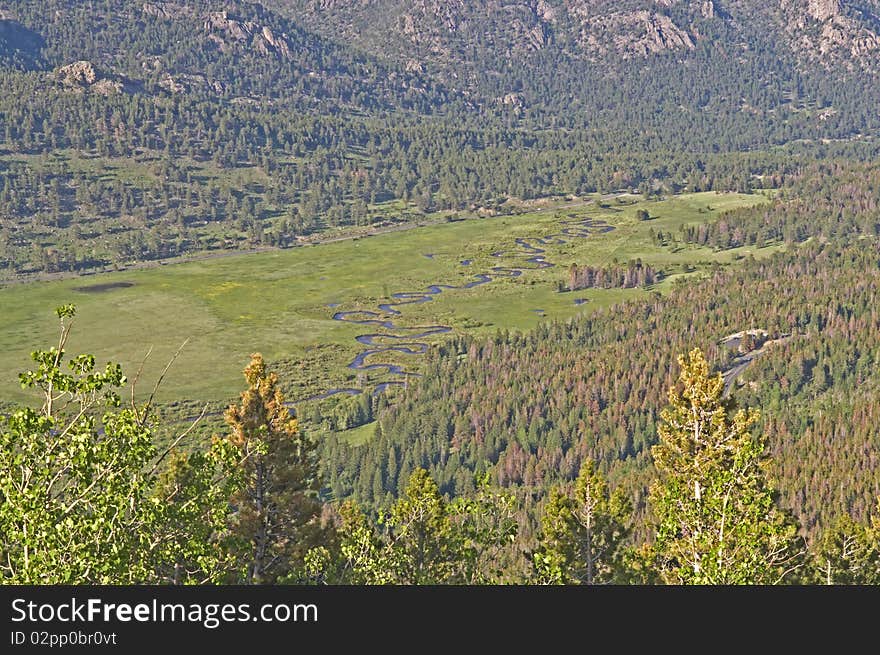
(187, 128)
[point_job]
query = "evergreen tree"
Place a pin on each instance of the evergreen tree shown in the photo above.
(717, 521)
(277, 509)
(421, 542)
(424, 539)
(583, 532)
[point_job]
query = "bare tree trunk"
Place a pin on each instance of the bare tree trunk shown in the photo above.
(261, 536)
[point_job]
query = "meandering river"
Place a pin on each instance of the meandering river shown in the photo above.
(395, 338)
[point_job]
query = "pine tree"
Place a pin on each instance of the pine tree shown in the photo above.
(583, 531)
(277, 510)
(717, 521)
(424, 539)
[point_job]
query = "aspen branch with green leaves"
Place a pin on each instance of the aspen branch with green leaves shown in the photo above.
(717, 519)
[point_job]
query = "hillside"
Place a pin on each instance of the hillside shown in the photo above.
(522, 291)
(531, 407)
(448, 35)
(136, 131)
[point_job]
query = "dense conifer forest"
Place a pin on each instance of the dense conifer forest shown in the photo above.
(532, 408)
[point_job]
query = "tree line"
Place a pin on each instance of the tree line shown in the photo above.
(634, 274)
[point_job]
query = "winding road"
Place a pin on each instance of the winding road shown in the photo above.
(405, 340)
(741, 363)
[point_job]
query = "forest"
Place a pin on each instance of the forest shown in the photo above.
(531, 408)
(185, 131)
(105, 504)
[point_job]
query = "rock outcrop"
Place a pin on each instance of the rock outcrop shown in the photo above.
(511, 100)
(79, 73)
(273, 43)
(188, 82)
(166, 10)
(171, 85)
(708, 9)
(229, 33)
(829, 32)
(851, 37)
(106, 87)
(546, 11)
(516, 27)
(865, 45)
(637, 33)
(520, 26)
(822, 10)
(662, 34)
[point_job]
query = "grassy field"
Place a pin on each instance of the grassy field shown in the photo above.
(100, 233)
(278, 302)
(359, 435)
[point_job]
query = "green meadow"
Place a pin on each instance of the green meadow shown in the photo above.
(278, 302)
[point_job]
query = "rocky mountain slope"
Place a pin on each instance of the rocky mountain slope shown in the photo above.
(253, 123)
(234, 49)
(512, 53)
(834, 32)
